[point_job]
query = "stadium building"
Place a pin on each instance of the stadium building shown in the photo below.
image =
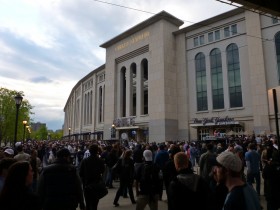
(161, 82)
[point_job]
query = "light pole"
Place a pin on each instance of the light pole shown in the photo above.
(27, 128)
(113, 131)
(69, 129)
(18, 99)
(24, 122)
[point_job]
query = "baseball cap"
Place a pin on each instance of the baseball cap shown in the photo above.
(148, 155)
(9, 151)
(230, 161)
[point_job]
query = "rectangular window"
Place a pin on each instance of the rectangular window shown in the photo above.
(195, 41)
(217, 35)
(226, 32)
(234, 29)
(201, 40)
(210, 37)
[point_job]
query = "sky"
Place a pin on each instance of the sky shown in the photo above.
(46, 47)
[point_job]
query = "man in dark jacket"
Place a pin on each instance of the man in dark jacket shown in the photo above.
(147, 183)
(271, 174)
(187, 190)
(91, 172)
(59, 185)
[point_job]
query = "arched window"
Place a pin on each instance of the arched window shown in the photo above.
(234, 78)
(100, 104)
(217, 79)
(90, 108)
(133, 86)
(85, 110)
(145, 85)
(123, 91)
(201, 84)
(277, 46)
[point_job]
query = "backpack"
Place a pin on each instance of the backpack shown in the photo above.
(149, 181)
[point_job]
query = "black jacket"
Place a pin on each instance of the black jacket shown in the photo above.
(21, 201)
(147, 176)
(188, 191)
(60, 187)
(91, 169)
(271, 174)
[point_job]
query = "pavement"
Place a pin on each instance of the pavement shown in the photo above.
(106, 203)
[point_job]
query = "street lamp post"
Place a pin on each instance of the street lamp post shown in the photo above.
(28, 128)
(69, 129)
(18, 99)
(24, 122)
(113, 131)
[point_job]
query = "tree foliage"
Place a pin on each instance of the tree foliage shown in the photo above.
(8, 115)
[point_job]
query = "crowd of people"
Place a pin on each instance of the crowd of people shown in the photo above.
(52, 175)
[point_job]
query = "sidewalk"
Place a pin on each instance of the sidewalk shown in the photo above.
(106, 203)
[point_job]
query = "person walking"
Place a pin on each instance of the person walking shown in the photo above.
(126, 175)
(206, 162)
(187, 186)
(59, 185)
(252, 158)
(36, 165)
(147, 183)
(161, 158)
(241, 196)
(91, 171)
(16, 194)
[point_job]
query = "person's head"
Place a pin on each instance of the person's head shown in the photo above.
(228, 165)
(19, 148)
(148, 155)
(162, 147)
(20, 176)
(63, 154)
(34, 153)
(93, 149)
(174, 150)
(209, 147)
(181, 161)
(9, 153)
(127, 154)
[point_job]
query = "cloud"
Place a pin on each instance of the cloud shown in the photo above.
(41, 79)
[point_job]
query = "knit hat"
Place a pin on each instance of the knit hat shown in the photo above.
(230, 161)
(148, 155)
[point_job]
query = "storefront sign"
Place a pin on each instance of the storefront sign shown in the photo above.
(214, 121)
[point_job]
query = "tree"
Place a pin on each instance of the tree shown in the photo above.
(8, 115)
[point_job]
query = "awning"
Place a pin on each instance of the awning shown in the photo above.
(127, 128)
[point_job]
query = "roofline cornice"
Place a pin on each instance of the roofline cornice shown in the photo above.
(160, 16)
